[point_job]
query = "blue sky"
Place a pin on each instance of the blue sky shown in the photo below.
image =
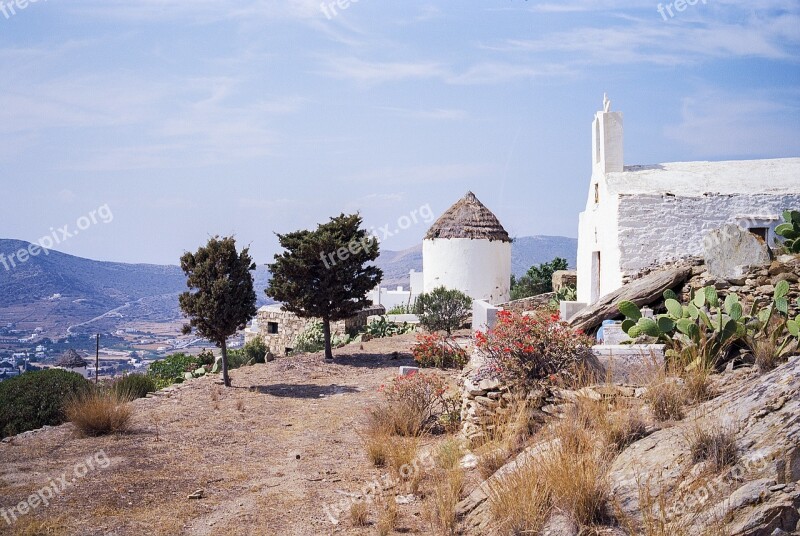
(193, 118)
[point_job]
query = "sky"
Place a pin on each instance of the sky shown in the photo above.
(147, 126)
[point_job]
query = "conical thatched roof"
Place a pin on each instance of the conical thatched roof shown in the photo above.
(71, 359)
(469, 218)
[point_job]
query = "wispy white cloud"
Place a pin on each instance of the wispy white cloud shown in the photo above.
(719, 124)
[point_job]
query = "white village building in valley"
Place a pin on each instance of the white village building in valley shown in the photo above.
(641, 216)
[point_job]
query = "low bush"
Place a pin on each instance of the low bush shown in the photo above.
(134, 386)
(411, 402)
(172, 368)
(436, 351)
(443, 310)
(252, 353)
(98, 412)
(312, 339)
(381, 328)
(528, 349)
(35, 399)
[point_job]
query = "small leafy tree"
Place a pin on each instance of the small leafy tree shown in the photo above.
(443, 309)
(324, 273)
(221, 299)
(538, 279)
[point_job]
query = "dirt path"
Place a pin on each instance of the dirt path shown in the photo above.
(274, 455)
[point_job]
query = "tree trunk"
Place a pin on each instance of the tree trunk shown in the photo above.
(326, 330)
(225, 378)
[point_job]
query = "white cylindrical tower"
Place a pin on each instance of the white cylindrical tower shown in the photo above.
(467, 249)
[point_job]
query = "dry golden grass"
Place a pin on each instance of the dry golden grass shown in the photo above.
(388, 513)
(519, 502)
(697, 384)
(99, 412)
(359, 513)
(766, 354)
(397, 418)
(448, 454)
(576, 473)
(714, 444)
(623, 428)
(667, 398)
(506, 436)
(33, 527)
(441, 508)
(376, 445)
(491, 457)
(401, 453)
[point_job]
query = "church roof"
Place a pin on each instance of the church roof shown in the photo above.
(694, 179)
(468, 218)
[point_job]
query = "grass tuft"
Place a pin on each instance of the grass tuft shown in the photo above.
(99, 412)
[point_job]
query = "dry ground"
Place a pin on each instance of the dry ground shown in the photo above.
(269, 455)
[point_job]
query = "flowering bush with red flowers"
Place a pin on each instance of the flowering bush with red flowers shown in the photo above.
(435, 350)
(534, 348)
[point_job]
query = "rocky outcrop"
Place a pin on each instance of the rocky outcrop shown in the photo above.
(656, 477)
(754, 496)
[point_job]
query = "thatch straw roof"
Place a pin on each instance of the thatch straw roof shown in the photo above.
(71, 359)
(469, 218)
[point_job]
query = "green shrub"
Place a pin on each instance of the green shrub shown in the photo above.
(382, 328)
(172, 368)
(443, 310)
(206, 357)
(134, 386)
(252, 353)
(36, 399)
(312, 339)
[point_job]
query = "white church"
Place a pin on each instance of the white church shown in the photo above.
(642, 216)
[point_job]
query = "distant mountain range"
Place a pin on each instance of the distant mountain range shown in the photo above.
(59, 292)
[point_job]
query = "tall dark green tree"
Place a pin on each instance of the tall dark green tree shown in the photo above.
(325, 273)
(538, 279)
(221, 299)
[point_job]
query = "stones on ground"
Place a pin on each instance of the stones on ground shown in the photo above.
(197, 494)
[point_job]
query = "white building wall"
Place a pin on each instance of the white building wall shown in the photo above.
(658, 229)
(479, 268)
(597, 233)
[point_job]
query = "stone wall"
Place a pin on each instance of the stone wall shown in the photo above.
(289, 326)
(757, 284)
(657, 229)
(528, 304)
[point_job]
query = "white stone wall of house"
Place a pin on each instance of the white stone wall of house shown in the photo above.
(658, 229)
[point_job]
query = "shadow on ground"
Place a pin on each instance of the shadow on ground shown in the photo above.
(303, 390)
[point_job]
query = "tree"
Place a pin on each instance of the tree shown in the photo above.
(221, 299)
(443, 310)
(538, 279)
(322, 273)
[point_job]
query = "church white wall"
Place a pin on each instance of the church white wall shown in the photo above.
(654, 229)
(597, 231)
(479, 268)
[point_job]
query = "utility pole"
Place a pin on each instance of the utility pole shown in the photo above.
(97, 360)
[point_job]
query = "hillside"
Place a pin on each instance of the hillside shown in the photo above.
(525, 252)
(57, 290)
